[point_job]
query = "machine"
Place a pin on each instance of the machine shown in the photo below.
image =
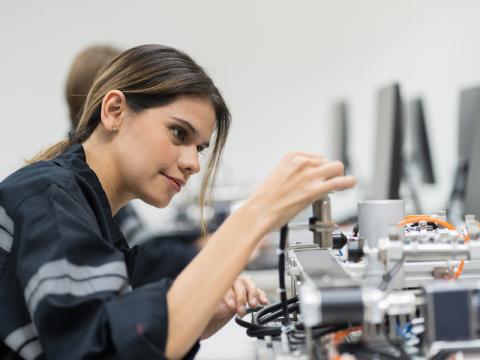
(396, 286)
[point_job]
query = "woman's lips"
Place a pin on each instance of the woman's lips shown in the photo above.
(174, 182)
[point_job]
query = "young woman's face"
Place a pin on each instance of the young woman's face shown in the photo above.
(158, 148)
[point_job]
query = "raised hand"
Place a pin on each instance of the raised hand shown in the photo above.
(297, 181)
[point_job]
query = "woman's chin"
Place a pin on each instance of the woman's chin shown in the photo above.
(159, 203)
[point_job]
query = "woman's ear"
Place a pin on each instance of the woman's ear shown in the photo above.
(114, 107)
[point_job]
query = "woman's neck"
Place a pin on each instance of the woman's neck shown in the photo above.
(99, 158)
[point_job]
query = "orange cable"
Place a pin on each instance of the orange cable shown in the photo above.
(339, 335)
(416, 218)
(406, 217)
(459, 270)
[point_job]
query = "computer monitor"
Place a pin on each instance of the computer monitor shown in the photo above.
(389, 139)
(420, 154)
(469, 115)
(340, 134)
(472, 186)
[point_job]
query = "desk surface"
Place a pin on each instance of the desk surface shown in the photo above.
(231, 342)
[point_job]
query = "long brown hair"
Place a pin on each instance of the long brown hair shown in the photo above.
(150, 76)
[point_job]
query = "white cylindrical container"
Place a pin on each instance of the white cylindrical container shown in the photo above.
(375, 217)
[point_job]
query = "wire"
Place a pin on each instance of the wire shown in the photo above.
(409, 219)
(459, 270)
(461, 265)
(416, 218)
(281, 273)
(276, 312)
(263, 315)
(268, 314)
(254, 330)
(340, 335)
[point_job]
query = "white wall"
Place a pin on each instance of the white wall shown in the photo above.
(280, 65)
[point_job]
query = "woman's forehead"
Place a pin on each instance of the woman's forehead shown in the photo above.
(197, 111)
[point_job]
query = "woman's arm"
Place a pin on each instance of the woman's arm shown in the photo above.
(297, 181)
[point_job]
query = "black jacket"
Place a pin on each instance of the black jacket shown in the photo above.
(65, 271)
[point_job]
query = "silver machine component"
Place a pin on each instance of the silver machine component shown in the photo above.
(406, 288)
(321, 223)
(376, 216)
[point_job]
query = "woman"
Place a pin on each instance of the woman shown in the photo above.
(160, 256)
(64, 265)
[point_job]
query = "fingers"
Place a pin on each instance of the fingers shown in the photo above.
(294, 154)
(300, 179)
(245, 290)
(262, 297)
(338, 183)
(252, 292)
(240, 296)
(316, 167)
(328, 170)
(329, 177)
(230, 300)
(298, 161)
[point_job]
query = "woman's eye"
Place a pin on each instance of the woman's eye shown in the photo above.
(179, 133)
(201, 149)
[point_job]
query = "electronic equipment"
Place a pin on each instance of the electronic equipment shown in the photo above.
(418, 164)
(472, 186)
(402, 287)
(469, 117)
(340, 125)
(421, 153)
(389, 141)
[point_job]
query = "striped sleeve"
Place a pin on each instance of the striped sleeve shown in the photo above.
(76, 286)
(6, 231)
(6, 238)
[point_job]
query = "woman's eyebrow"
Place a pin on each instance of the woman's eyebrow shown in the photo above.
(187, 124)
(192, 129)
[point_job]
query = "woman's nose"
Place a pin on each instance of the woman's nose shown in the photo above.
(188, 161)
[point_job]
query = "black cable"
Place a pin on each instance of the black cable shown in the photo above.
(254, 330)
(246, 324)
(273, 308)
(280, 311)
(261, 311)
(264, 331)
(269, 313)
(262, 316)
(281, 273)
